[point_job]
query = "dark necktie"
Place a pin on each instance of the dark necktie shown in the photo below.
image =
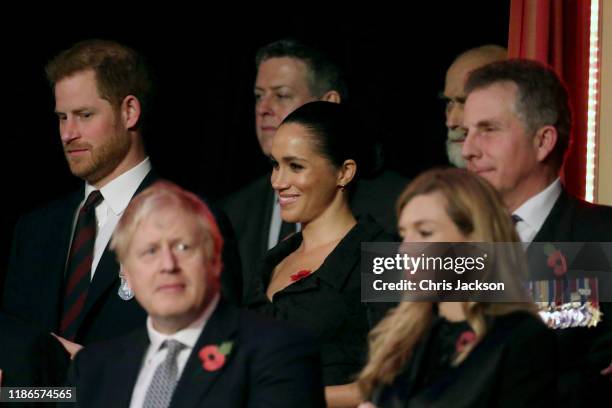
(78, 272)
(286, 229)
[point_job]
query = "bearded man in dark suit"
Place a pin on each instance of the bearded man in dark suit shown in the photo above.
(61, 275)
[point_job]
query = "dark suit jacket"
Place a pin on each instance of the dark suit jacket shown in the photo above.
(34, 284)
(30, 357)
(583, 351)
(573, 220)
(250, 212)
(270, 365)
(513, 366)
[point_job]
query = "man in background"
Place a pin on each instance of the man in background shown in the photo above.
(518, 122)
(290, 74)
(454, 94)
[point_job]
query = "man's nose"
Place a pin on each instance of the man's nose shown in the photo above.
(264, 105)
(454, 115)
(168, 259)
(470, 147)
(68, 130)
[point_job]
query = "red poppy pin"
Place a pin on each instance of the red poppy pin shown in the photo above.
(213, 356)
(466, 338)
(556, 260)
(300, 275)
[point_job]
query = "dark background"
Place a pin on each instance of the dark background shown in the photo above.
(202, 131)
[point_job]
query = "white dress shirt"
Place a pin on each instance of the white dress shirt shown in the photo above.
(117, 195)
(534, 211)
(155, 356)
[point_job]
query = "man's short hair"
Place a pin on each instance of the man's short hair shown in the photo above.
(323, 74)
(161, 195)
(488, 52)
(542, 97)
(120, 71)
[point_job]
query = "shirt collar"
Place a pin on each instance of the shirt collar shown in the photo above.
(187, 336)
(118, 192)
(535, 210)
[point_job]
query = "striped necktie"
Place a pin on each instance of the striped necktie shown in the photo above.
(78, 272)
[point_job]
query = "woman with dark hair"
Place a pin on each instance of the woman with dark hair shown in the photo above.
(460, 354)
(312, 278)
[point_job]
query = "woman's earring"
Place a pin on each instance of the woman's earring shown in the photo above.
(124, 292)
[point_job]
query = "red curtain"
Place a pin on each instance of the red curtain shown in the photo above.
(556, 32)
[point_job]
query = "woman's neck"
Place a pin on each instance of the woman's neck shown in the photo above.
(332, 225)
(451, 311)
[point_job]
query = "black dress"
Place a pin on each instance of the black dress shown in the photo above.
(327, 302)
(513, 366)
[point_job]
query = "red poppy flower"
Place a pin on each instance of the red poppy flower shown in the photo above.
(464, 339)
(211, 357)
(300, 275)
(557, 261)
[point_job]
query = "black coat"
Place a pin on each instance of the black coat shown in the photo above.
(513, 366)
(270, 365)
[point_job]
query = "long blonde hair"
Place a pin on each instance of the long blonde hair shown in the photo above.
(476, 209)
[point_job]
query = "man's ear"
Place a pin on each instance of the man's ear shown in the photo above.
(347, 172)
(331, 96)
(545, 141)
(130, 111)
(217, 266)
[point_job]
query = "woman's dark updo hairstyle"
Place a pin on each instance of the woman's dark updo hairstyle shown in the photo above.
(338, 135)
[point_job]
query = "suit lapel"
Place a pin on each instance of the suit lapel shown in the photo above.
(558, 225)
(556, 228)
(126, 367)
(260, 219)
(107, 271)
(195, 381)
(53, 278)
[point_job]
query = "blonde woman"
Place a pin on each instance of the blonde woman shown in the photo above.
(459, 354)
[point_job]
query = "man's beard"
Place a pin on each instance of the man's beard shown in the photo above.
(453, 149)
(103, 159)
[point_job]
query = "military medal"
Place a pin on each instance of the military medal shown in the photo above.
(565, 303)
